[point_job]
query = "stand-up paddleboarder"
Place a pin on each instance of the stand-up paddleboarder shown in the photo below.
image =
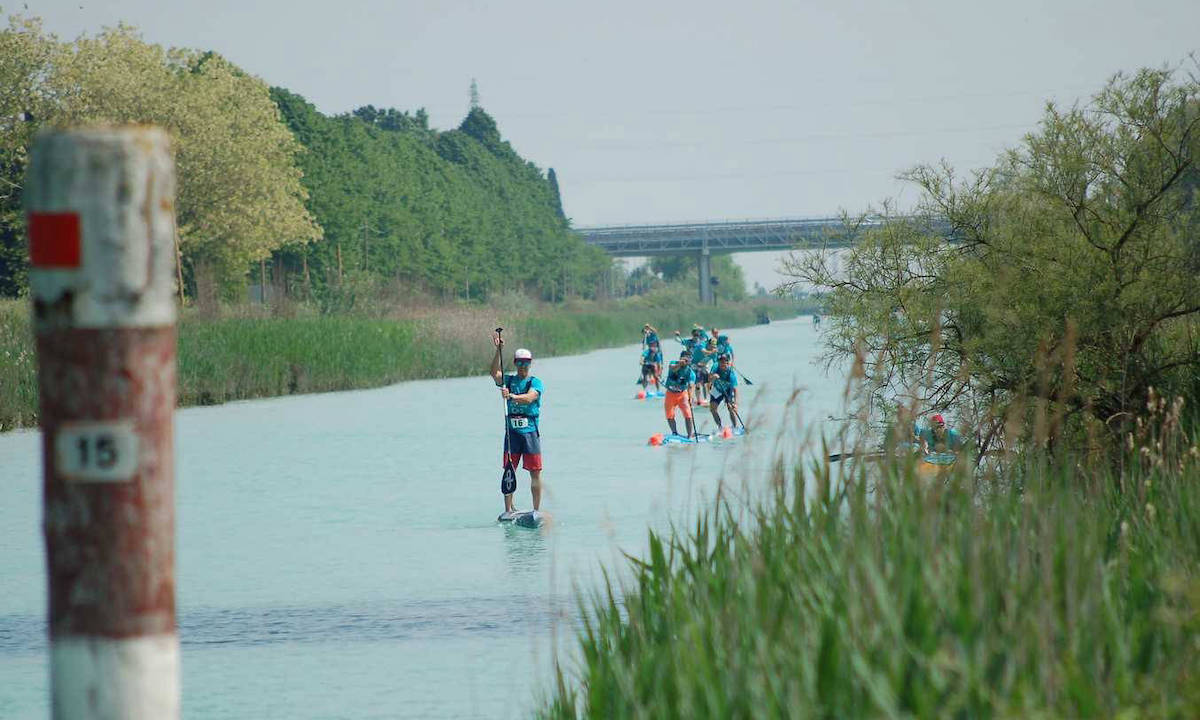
(523, 394)
(679, 382)
(724, 389)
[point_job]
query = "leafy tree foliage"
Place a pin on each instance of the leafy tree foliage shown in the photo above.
(239, 192)
(1073, 280)
(457, 212)
(26, 56)
(731, 282)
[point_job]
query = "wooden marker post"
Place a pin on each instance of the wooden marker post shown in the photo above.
(101, 244)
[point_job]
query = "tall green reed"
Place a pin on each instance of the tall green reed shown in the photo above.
(18, 372)
(885, 594)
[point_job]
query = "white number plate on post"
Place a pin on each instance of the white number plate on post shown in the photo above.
(97, 451)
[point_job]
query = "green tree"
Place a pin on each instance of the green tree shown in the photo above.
(731, 281)
(552, 178)
(240, 195)
(456, 213)
(26, 55)
(1072, 279)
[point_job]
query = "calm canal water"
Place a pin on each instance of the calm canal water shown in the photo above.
(338, 555)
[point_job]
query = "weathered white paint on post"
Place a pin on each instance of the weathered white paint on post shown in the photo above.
(100, 207)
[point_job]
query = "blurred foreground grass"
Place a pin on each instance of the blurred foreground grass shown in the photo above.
(1056, 592)
(249, 356)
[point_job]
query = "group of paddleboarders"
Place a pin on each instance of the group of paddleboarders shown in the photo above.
(703, 374)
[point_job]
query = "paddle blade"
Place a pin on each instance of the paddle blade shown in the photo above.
(508, 481)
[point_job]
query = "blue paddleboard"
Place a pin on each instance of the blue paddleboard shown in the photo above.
(946, 458)
(684, 440)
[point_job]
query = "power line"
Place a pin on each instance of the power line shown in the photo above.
(800, 139)
(860, 101)
(742, 176)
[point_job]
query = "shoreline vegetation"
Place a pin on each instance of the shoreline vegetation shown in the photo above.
(1057, 591)
(257, 354)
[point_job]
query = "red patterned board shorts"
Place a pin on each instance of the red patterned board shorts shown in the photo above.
(524, 450)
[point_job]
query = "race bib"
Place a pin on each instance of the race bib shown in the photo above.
(518, 423)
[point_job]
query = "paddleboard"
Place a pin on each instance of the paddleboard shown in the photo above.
(531, 519)
(685, 440)
(525, 519)
(936, 463)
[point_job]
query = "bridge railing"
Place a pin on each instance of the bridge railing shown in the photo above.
(730, 236)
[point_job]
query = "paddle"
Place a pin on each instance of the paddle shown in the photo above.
(508, 479)
(842, 456)
(641, 377)
(742, 375)
(738, 416)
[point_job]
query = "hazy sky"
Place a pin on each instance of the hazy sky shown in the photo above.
(687, 111)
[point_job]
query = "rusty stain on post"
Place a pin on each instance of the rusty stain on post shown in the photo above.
(102, 249)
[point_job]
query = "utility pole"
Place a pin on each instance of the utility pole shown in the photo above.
(101, 205)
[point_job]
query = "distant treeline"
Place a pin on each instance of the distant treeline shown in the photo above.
(315, 206)
(457, 213)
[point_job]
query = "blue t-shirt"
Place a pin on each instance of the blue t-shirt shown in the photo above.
(700, 355)
(516, 410)
(651, 356)
(953, 439)
(651, 337)
(679, 377)
(724, 382)
(725, 349)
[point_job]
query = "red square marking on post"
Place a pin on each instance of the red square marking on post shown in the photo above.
(54, 240)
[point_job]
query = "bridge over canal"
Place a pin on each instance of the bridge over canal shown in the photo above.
(704, 239)
(707, 238)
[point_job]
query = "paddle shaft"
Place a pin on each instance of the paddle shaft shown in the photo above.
(742, 375)
(503, 402)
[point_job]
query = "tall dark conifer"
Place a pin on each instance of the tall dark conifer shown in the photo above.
(552, 178)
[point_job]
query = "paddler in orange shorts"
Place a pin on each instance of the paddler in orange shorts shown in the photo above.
(679, 381)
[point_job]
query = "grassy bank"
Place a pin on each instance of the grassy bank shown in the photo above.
(1064, 594)
(236, 358)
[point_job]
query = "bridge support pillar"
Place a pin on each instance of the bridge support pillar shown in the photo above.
(705, 275)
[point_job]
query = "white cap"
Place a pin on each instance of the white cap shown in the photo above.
(522, 354)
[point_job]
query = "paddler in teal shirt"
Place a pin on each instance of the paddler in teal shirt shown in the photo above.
(935, 437)
(696, 338)
(652, 362)
(523, 394)
(703, 357)
(724, 390)
(724, 348)
(679, 382)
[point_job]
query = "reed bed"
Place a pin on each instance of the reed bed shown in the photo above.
(1057, 592)
(18, 373)
(252, 353)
